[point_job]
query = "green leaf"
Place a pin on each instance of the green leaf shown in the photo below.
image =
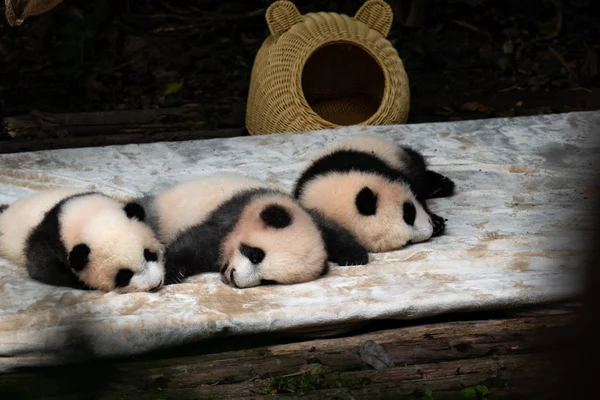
(174, 87)
(468, 393)
(503, 63)
(428, 392)
(482, 389)
(548, 27)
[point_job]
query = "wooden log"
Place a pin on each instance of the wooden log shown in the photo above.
(506, 377)
(424, 355)
(46, 126)
(21, 145)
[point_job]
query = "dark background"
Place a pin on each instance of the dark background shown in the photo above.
(465, 59)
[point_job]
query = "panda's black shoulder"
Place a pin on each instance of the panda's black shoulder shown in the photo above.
(346, 160)
(46, 254)
(48, 231)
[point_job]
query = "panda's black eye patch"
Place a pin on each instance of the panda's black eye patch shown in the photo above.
(254, 254)
(123, 277)
(276, 216)
(366, 202)
(150, 255)
(79, 257)
(409, 212)
(134, 210)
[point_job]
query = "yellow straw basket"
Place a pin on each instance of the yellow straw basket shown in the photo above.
(326, 70)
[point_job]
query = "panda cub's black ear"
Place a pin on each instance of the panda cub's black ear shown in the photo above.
(276, 216)
(135, 210)
(79, 257)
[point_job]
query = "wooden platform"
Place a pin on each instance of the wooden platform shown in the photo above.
(505, 353)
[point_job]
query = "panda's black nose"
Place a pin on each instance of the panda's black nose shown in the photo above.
(233, 278)
(157, 287)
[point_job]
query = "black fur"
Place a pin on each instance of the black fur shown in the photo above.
(424, 183)
(233, 278)
(341, 246)
(276, 216)
(150, 255)
(135, 210)
(123, 277)
(325, 268)
(409, 213)
(254, 254)
(345, 161)
(3, 207)
(79, 257)
(439, 225)
(150, 216)
(366, 202)
(197, 249)
(427, 184)
(47, 258)
(438, 185)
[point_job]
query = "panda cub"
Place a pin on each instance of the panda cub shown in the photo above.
(245, 229)
(376, 190)
(82, 240)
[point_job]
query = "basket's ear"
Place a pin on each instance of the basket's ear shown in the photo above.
(377, 15)
(281, 16)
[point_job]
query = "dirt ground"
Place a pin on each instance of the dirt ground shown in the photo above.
(465, 59)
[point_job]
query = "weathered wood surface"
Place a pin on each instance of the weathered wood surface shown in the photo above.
(45, 125)
(42, 131)
(21, 145)
(506, 355)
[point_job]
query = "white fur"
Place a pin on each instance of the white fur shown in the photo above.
(97, 221)
(17, 221)
(335, 193)
(246, 274)
(381, 148)
(189, 203)
(293, 254)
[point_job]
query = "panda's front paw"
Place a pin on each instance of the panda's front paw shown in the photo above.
(439, 225)
(173, 274)
(356, 256)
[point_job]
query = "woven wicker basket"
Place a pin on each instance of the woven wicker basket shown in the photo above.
(326, 70)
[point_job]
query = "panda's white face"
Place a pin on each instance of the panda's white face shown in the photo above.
(274, 241)
(383, 215)
(110, 249)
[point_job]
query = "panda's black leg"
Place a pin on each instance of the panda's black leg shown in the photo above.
(341, 246)
(177, 259)
(194, 252)
(45, 267)
(437, 185)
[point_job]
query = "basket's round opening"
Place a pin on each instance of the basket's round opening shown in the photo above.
(343, 84)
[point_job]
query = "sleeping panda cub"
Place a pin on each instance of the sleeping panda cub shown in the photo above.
(245, 229)
(82, 240)
(376, 190)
